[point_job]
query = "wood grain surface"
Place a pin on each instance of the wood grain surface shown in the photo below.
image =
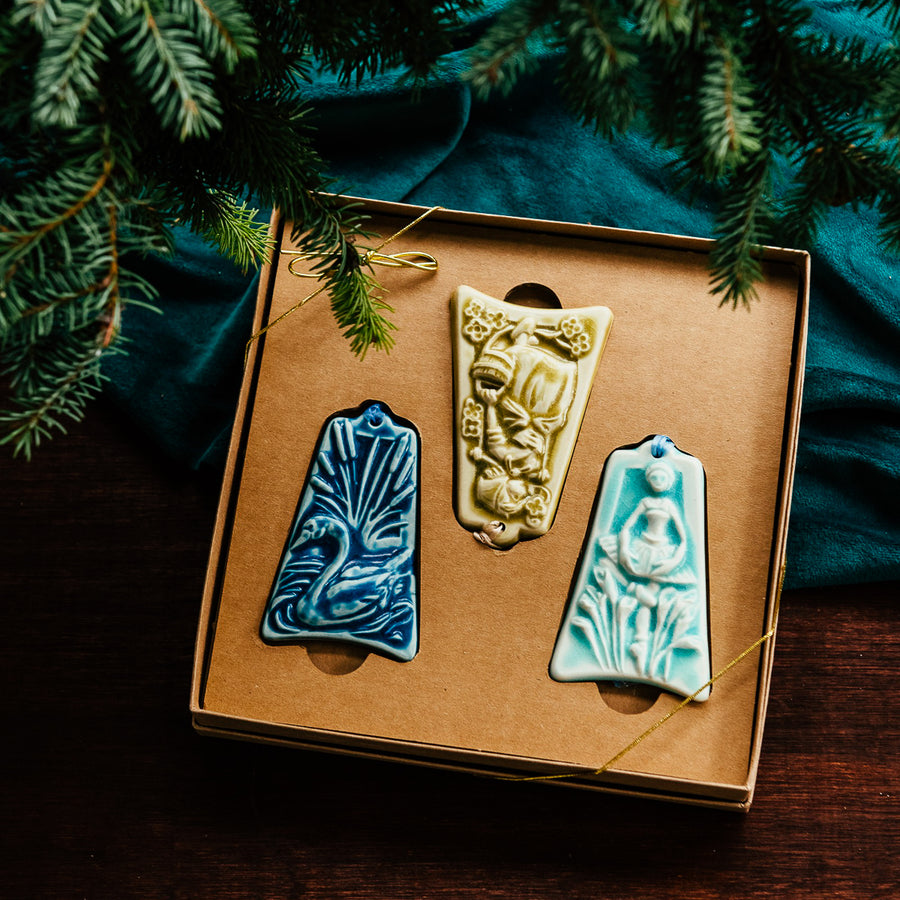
(108, 792)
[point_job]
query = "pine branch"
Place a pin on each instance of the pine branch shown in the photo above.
(665, 21)
(119, 118)
(23, 234)
(359, 310)
(42, 14)
(731, 88)
(61, 290)
(889, 207)
(597, 72)
(70, 376)
(230, 226)
(890, 9)
(800, 215)
(127, 116)
(729, 130)
(223, 28)
(67, 71)
(360, 38)
(356, 295)
(888, 98)
(179, 78)
(742, 226)
(509, 50)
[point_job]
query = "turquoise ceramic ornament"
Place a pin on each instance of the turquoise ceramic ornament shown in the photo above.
(349, 571)
(638, 609)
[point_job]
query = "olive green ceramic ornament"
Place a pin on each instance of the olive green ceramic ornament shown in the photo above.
(522, 378)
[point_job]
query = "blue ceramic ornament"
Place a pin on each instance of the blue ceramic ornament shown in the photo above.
(349, 571)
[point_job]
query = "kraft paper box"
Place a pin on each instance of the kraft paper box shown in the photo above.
(724, 384)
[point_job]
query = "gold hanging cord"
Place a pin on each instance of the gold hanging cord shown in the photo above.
(672, 712)
(410, 259)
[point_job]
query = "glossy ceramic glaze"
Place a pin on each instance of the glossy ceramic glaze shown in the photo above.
(522, 378)
(349, 568)
(638, 610)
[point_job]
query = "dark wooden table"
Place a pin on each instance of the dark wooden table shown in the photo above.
(109, 793)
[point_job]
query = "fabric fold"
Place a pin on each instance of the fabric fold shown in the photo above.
(525, 155)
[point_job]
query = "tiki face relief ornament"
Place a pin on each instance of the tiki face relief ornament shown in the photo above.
(638, 609)
(349, 571)
(522, 377)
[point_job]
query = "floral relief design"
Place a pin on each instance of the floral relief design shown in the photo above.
(536, 507)
(476, 329)
(472, 424)
(475, 309)
(480, 322)
(571, 326)
(579, 341)
(581, 344)
(523, 381)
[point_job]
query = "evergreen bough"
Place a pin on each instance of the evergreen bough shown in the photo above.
(121, 118)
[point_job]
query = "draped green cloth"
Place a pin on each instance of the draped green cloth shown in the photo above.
(524, 155)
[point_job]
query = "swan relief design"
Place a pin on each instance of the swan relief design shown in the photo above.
(349, 568)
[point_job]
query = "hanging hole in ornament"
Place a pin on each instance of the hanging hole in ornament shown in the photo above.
(336, 658)
(628, 697)
(537, 296)
(661, 445)
(374, 415)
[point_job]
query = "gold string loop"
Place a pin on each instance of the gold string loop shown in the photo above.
(411, 259)
(300, 256)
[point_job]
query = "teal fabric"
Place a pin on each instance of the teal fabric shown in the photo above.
(526, 156)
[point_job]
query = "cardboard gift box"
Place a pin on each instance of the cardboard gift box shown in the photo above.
(725, 384)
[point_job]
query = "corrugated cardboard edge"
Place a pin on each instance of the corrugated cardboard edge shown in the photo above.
(733, 797)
